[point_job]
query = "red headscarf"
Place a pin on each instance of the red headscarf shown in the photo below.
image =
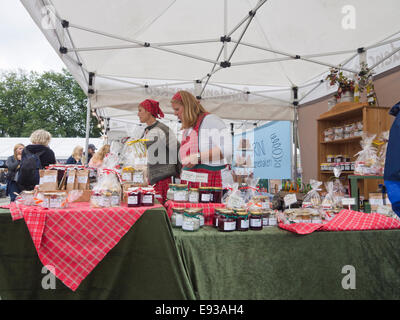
(177, 97)
(153, 107)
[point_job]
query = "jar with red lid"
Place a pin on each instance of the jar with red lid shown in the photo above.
(147, 197)
(242, 220)
(256, 220)
(133, 197)
(227, 221)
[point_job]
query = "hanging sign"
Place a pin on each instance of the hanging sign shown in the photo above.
(194, 176)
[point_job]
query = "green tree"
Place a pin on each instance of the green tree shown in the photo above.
(52, 101)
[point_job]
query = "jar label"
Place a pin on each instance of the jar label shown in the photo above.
(127, 176)
(272, 221)
(71, 179)
(133, 200)
(55, 203)
(188, 225)
(266, 205)
(193, 197)
(178, 220)
(147, 199)
(201, 220)
(229, 226)
(316, 221)
(138, 177)
(82, 179)
(244, 224)
(115, 200)
(265, 221)
(255, 222)
(206, 197)
(180, 196)
(45, 203)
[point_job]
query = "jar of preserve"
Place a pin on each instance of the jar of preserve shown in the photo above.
(95, 199)
(227, 221)
(106, 199)
(242, 220)
(191, 222)
(181, 193)
(133, 197)
(265, 218)
(115, 199)
(205, 195)
(272, 221)
(217, 195)
(177, 217)
(194, 195)
(216, 216)
(196, 212)
(256, 220)
(171, 191)
(147, 197)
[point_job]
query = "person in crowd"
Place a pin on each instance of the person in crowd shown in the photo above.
(13, 164)
(162, 143)
(40, 140)
(77, 156)
(91, 151)
(206, 145)
(97, 160)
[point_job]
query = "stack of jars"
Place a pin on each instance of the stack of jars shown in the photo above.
(188, 219)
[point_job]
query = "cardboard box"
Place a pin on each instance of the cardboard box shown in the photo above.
(376, 200)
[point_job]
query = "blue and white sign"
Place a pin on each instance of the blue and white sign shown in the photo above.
(267, 150)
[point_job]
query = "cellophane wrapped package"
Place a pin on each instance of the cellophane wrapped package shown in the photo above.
(367, 162)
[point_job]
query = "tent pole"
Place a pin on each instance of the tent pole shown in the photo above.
(295, 131)
(88, 111)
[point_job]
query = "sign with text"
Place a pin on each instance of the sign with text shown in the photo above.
(266, 149)
(290, 199)
(348, 201)
(194, 176)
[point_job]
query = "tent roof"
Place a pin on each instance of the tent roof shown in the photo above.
(140, 49)
(62, 147)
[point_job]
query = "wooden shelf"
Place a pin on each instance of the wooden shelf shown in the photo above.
(375, 120)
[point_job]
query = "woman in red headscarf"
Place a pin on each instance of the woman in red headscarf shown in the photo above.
(162, 148)
(206, 145)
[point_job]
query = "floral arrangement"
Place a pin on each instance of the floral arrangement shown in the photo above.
(344, 84)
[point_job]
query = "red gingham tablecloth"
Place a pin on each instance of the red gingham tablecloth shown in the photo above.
(346, 220)
(72, 241)
(208, 209)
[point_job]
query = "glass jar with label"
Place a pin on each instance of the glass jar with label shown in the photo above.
(256, 220)
(227, 221)
(196, 212)
(95, 199)
(217, 195)
(106, 199)
(194, 195)
(177, 217)
(265, 218)
(115, 199)
(54, 200)
(133, 197)
(216, 216)
(205, 195)
(191, 222)
(147, 197)
(181, 193)
(171, 191)
(242, 220)
(272, 221)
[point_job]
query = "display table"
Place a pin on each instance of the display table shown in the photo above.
(276, 264)
(208, 209)
(143, 265)
(354, 187)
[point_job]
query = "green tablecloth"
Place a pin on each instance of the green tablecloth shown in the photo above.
(143, 265)
(276, 264)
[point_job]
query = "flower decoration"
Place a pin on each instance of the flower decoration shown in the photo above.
(336, 77)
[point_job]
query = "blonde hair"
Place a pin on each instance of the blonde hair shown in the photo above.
(100, 155)
(76, 154)
(15, 149)
(192, 109)
(41, 137)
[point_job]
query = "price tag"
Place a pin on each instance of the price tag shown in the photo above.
(290, 199)
(348, 201)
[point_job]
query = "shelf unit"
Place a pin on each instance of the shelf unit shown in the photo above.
(375, 121)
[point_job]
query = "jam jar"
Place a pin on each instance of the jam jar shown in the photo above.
(217, 212)
(227, 221)
(191, 222)
(217, 195)
(95, 199)
(256, 220)
(242, 220)
(205, 195)
(115, 199)
(265, 217)
(272, 221)
(133, 197)
(171, 191)
(181, 193)
(147, 197)
(177, 217)
(194, 195)
(196, 212)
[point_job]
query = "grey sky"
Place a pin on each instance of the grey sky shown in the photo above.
(22, 44)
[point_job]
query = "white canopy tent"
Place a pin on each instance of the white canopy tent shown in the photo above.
(245, 59)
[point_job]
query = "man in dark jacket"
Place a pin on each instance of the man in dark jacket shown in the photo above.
(392, 164)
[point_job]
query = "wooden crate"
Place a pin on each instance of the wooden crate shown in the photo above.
(375, 121)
